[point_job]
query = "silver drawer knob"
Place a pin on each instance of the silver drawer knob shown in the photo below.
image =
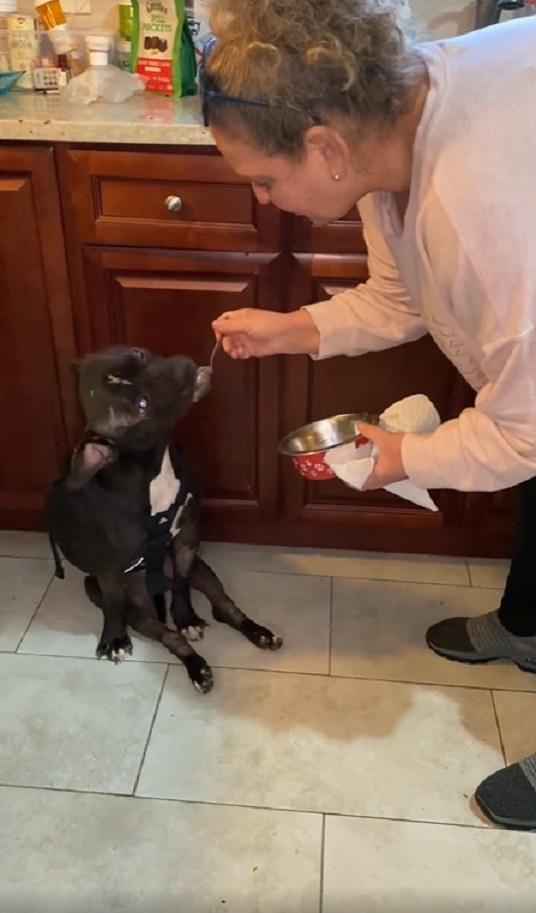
(173, 204)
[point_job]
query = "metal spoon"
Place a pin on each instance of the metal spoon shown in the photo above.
(203, 380)
(217, 344)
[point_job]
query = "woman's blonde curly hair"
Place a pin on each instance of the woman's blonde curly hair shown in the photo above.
(323, 57)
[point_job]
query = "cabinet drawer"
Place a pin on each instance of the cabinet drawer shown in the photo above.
(152, 199)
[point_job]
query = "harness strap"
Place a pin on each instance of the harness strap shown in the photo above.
(59, 572)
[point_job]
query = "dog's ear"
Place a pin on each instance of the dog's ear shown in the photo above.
(87, 460)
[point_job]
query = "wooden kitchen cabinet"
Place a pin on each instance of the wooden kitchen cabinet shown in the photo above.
(120, 266)
(370, 383)
(36, 335)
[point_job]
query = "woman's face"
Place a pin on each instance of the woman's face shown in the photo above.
(322, 185)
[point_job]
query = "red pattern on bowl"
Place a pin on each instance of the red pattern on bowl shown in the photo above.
(313, 466)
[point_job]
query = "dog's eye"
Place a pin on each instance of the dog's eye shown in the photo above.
(143, 404)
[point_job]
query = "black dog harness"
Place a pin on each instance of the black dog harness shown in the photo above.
(160, 531)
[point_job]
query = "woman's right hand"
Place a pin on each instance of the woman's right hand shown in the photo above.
(251, 332)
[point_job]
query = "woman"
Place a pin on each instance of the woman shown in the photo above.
(322, 103)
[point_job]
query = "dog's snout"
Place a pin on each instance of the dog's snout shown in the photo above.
(203, 383)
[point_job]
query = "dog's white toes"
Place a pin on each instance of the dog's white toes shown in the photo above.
(193, 632)
(118, 656)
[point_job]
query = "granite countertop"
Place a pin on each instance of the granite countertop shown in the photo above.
(143, 119)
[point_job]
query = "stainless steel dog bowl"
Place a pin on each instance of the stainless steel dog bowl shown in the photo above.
(308, 445)
(323, 435)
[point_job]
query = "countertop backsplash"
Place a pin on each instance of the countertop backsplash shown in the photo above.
(435, 18)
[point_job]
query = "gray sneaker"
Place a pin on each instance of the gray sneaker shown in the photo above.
(508, 797)
(480, 640)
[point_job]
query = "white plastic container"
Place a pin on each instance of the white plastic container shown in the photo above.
(99, 46)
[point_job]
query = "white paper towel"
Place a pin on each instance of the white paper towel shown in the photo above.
(415, 413)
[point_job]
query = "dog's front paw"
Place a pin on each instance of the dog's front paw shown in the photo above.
(200, 673)
(261, 637)
(195, 631)
(115, 650)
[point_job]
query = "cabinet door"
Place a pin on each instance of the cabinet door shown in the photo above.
(332, 513)
(489, 522)
(166, 301)
(36, 341)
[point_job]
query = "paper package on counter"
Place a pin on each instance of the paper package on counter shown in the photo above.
(415, 413)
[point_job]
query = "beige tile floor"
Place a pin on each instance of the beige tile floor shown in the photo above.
(333, 777)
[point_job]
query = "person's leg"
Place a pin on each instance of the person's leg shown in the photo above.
(517, 611)
(507, 797)
(510, 631)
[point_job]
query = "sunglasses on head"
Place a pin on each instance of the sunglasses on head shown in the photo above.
(208, 94)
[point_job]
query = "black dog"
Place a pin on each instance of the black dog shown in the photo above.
(126, 512)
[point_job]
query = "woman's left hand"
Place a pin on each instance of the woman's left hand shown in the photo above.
(389, 467)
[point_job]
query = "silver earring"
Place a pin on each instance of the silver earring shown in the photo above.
(336, 177)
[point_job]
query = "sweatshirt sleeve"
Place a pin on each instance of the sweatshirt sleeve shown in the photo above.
(376, 315)
(493, 445)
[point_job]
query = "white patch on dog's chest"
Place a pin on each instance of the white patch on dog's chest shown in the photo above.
(164, 488)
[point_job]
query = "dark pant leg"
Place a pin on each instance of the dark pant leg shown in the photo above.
(517, 611)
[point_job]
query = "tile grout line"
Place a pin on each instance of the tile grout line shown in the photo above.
(495, 711)
(261, 808)
(151, 727)
(292, 573)
(426, 684)
(322, 863)
(330, 636)
(468, 566)
(289, 572)
(28, 557)
(32, 619)
(93, 658)
(355, 678)
(427, 822)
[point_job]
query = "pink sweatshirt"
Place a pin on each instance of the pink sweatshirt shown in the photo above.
(463, 265)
